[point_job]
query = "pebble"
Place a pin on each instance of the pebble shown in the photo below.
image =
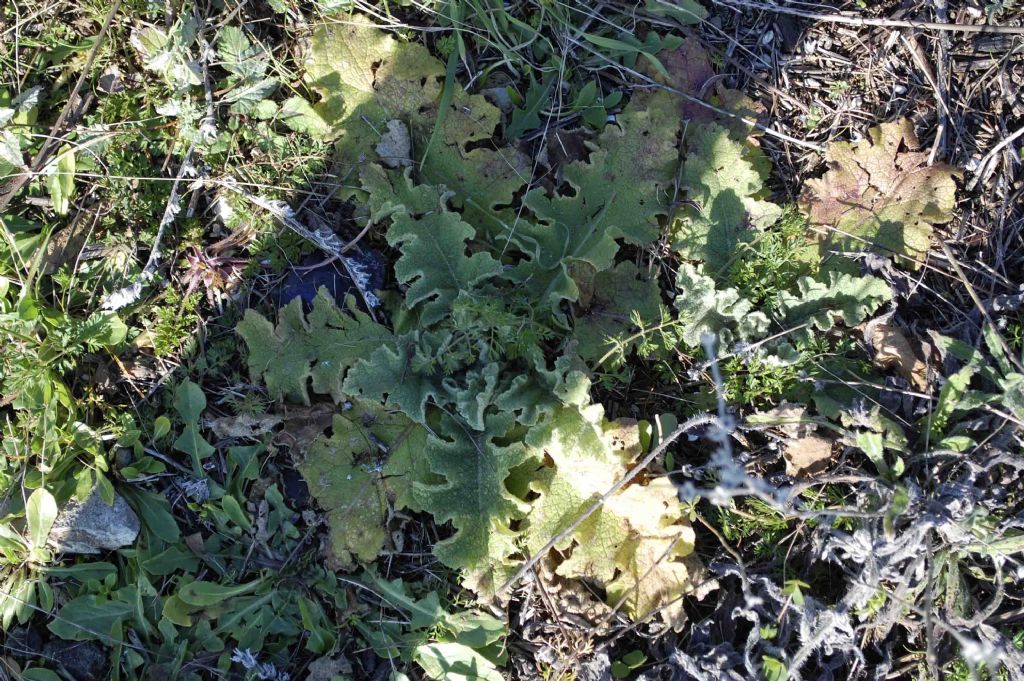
(92, 526)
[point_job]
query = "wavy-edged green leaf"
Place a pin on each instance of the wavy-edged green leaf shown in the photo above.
(724, 179)
(434, 263)
(367, 466)
(474, 497)
(618, 193)
(843, 298)
(310, 351)
(389, 375)
(703, 308)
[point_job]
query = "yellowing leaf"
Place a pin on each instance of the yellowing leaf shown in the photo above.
(60, 180)
(636, 543)
(880, 195)
(366, 79)
(807, 455)
(893, 349)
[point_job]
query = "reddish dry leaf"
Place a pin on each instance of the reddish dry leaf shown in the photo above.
(880, 195)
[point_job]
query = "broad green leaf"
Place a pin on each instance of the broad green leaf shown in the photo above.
(40, 514)
(10, 153)
(320, 347)
(724, 180)
(434, 263)
(161, 426)
(843, 298)
(366, 78)
(622, 47)
(527, 116)
(620, 295)
(83, 572)
(155, 512)
(424, 613)
(247, 96)
(618, 193)
(475, 629)
(234, 511)
(773, 669)
(881, 194)
(455, 662)
(201, 594)
(90, 617)
(104, 329)
(300, 116)
(191, 442)
(39, 674)
(872, 445)
(189, 402)
(472, 495)
(239, 56)
(388, 375)
(369, 463)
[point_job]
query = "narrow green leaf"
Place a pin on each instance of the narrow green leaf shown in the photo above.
(61, 180)
(40, 513)
(201, 594)
(83, 572)
(234, 511)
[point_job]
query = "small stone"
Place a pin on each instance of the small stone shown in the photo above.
(93, 526)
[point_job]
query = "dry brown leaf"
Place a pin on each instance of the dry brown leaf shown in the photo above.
(807, 455)
(893, 349)
(302, 425)
(881, 195)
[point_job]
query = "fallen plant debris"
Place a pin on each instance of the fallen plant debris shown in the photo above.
(474, 340)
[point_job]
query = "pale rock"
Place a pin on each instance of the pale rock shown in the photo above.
(92, 526)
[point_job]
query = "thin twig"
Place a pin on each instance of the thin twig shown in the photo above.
(131, 293)
(982, 171)
(871, 21)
